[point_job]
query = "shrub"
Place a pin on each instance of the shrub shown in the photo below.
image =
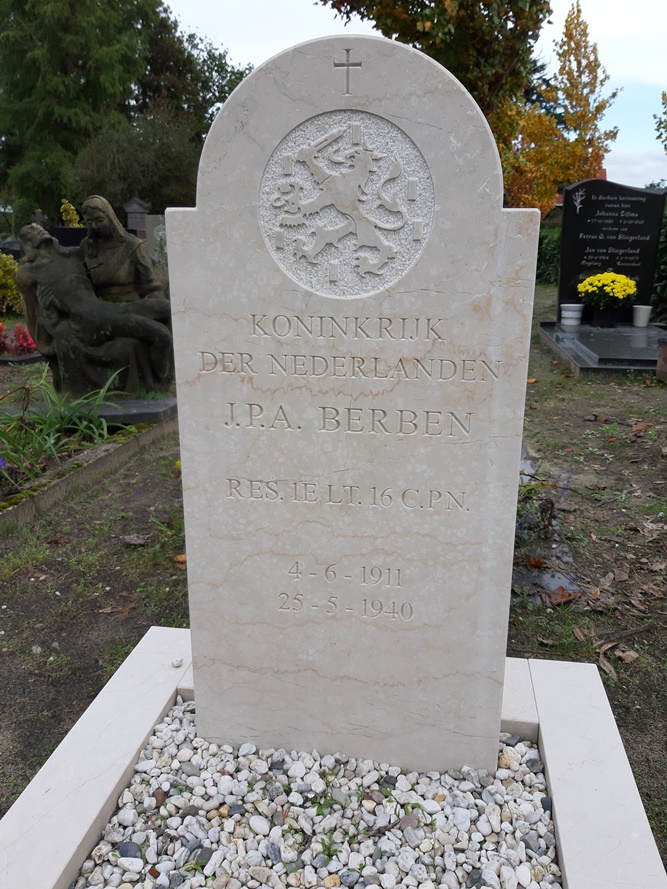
(548, 256)
(10, 298)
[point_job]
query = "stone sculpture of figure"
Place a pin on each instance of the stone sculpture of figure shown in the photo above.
(118, 263)
(85, 339)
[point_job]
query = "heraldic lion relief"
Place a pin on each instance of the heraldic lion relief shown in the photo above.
(346, 204)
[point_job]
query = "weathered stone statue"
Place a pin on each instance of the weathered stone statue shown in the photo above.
(118, 263)
(85, 339)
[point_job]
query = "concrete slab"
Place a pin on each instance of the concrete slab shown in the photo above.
(605, 350)
(131, 411)
(604, 839)
(603, 834)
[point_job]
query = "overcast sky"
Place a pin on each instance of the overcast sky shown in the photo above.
(630, 38)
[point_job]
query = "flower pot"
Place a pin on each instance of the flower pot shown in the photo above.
(640, 315)
(570, 314)
(604, 316)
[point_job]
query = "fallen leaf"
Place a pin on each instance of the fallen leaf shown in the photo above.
(606, 581)
(533, 380)
(607, 667)
(567, 450)
(559, 596)
(658, 566)
(606, 646)
(621, 576)
(537, 563)
(555, 362)
(579, 633)
(641, 427)
(110, 609)
(549, 642)
(591, 419)
(180, 560)
(134, 540)
(627, 656)
(124, 613)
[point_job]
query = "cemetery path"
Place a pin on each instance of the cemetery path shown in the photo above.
(80, 587)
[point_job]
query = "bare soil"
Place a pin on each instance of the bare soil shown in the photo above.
(80, 587)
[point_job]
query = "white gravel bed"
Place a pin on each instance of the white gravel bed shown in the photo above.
(204, 815)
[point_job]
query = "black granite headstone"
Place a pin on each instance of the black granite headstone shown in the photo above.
(609, 228)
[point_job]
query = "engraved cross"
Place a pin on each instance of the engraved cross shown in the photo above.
(347, 64)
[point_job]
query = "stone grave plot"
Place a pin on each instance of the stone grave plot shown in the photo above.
(280, 818)
(351, 310)
(613, 350)
(603, 837)
(607, 227)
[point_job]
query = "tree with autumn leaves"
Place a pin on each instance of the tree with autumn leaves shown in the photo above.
(549, 133)
(545, 149)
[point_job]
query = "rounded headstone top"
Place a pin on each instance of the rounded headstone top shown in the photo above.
(411, 91)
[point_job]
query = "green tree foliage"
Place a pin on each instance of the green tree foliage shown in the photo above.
(661, 123)
(487, 44)
(155, 156)
(78, 74)
(65, 69)
(185, 72)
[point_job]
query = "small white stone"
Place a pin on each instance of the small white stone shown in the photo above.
(133, 865)
(461, 818)
(297, 770)
(523, 875)
(127, 817)
(508, 879)
(430, 806)
(259, 824)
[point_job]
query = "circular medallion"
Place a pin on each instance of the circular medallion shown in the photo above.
(346, 204)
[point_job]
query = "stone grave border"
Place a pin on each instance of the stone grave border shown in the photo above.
(97, 462)
(604, 838)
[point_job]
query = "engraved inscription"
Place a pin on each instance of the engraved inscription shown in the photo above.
(370, 608)
(371, 420)
(353, 197)
(347, 64)
(431, 499)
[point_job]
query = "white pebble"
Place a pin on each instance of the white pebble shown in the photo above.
(127, 817)
(133, 865)
(259, 824)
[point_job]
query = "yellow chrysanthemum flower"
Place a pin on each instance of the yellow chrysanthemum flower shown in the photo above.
(607, 289)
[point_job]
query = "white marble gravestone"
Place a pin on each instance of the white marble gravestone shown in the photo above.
(351, 310)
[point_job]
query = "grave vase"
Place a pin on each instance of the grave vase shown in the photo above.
(570, 314)
(604, 316)
(641, 315)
